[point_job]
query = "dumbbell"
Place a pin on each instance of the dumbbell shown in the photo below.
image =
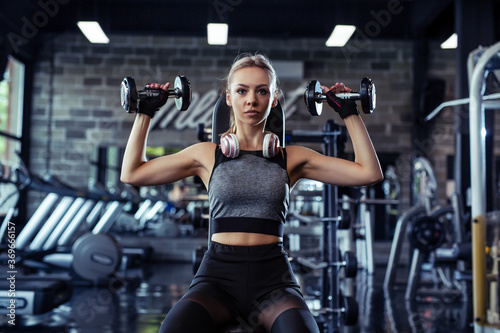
(314, 96)
(130, 97)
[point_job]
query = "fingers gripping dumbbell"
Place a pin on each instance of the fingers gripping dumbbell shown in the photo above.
(130, 97)
(314, 96)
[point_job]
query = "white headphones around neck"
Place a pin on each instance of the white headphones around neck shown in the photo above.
(231, 148)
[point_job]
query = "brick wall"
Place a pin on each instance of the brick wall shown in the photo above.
(86, 110)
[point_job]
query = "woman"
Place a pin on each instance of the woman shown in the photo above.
(245, 276)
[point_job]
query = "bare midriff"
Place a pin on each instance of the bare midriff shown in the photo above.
(244, 238)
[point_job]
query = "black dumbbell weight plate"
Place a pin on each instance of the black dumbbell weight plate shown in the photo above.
(426, 233)
(351, 264)
(128, 95)
(368, 95)
(350, 310)
(182, 89)
(311, 96)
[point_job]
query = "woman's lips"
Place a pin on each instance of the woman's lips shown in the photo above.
(251, 112)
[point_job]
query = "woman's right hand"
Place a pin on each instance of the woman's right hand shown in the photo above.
(343, 107)
(150, 105)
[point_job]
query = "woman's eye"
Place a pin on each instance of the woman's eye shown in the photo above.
(263, 92)
(240, 91)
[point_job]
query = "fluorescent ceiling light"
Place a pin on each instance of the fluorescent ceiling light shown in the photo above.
(92, 30)
(217, 33)
(340, 35)
(451, 42)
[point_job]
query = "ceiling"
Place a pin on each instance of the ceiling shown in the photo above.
(377, 19)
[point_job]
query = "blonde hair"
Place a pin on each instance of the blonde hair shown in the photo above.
(246, 60)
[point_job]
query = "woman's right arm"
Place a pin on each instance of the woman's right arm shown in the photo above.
(135, 151)
(195, 160)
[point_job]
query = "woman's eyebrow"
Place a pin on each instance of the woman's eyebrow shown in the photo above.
(258, 86)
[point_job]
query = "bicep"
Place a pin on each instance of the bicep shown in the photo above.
(309, 164)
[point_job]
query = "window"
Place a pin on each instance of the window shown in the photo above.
(11, 110)
(11, 115)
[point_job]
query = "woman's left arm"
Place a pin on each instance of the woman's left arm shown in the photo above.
(364, 170)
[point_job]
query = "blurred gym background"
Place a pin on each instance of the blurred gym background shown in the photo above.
(405, 244)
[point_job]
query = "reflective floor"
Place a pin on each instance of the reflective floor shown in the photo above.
(140, 298)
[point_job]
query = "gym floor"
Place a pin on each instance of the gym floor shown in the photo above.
(146, 293)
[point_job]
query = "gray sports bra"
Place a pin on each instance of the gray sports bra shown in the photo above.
(249, 193)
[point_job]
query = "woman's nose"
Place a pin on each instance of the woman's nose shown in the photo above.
(251, 99)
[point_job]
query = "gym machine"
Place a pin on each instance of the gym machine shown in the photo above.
(434, 234)
(68, 230)
(33, 294)
(481, 62)
(484, 225)
(424, 196)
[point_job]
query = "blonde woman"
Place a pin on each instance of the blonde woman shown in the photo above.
(245, 276)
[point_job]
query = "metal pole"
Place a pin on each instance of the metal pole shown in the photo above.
(330, 249)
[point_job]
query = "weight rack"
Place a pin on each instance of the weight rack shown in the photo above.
(333, 304)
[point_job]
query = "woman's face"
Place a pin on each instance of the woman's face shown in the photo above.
(251, 95)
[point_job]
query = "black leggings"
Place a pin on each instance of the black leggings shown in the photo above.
(249, 286)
